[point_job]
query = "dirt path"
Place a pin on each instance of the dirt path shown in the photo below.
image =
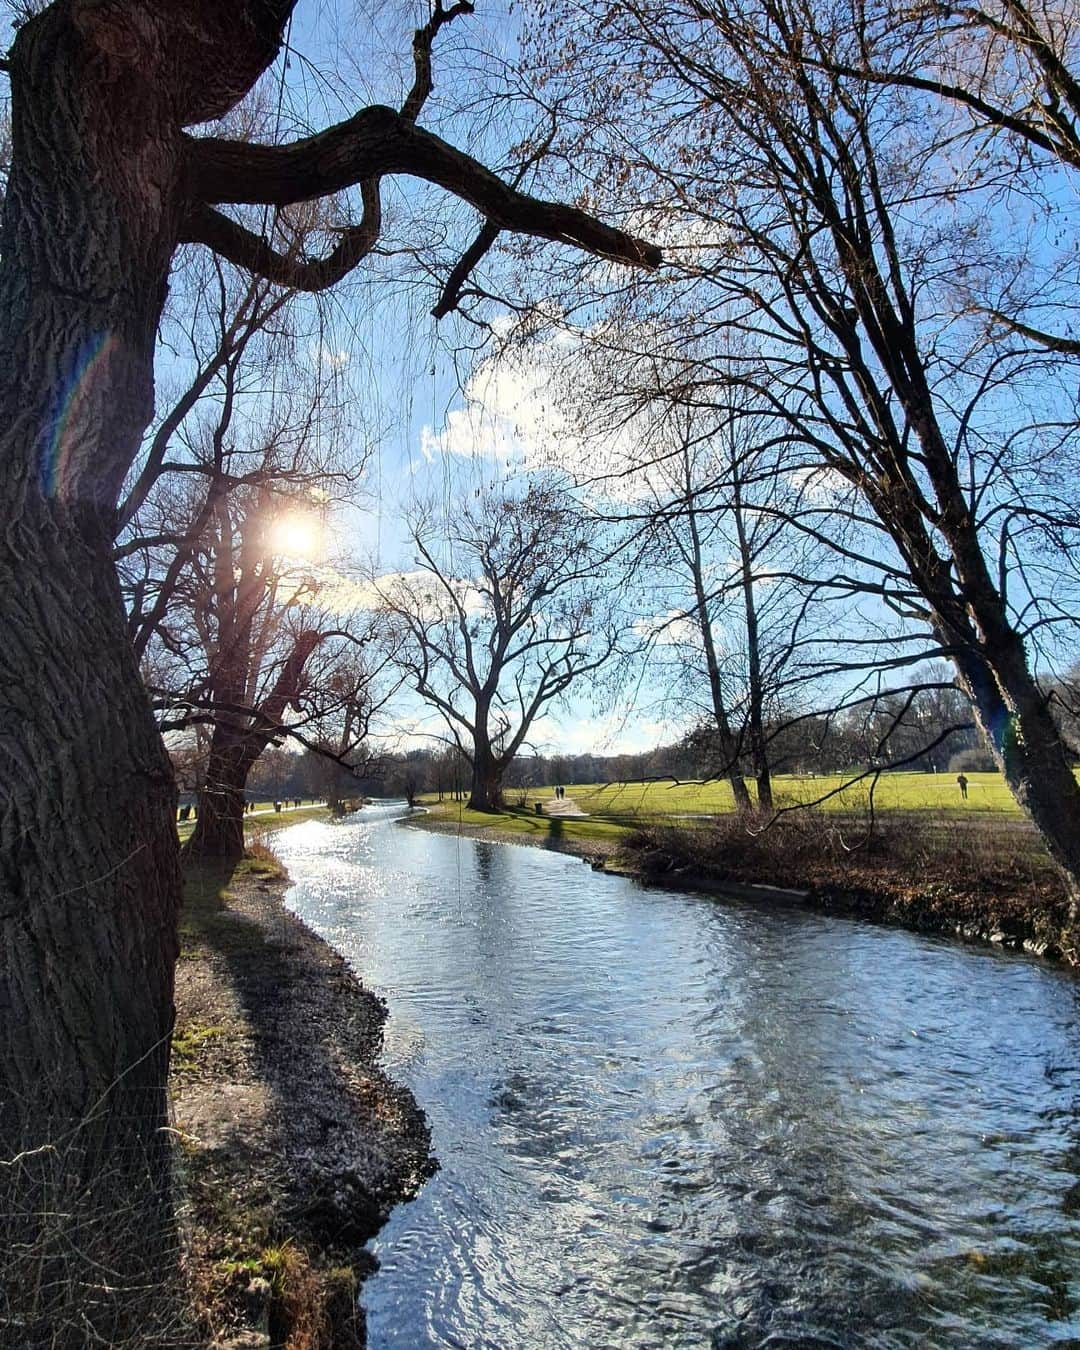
(296, 1143)
(564, 806)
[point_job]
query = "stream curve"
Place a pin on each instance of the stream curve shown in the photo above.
(664, 1120)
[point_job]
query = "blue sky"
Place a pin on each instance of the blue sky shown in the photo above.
(407, 371)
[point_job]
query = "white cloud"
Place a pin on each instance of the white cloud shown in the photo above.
(675, 628)
(823, 486)
(330, 358)
(530, 409)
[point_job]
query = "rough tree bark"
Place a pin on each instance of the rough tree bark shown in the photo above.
(89, 882)
(103, 185)
(487, 774)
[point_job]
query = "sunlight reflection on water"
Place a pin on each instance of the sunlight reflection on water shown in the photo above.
(664, 1120)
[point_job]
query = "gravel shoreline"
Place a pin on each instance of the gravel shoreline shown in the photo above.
(294, 1143)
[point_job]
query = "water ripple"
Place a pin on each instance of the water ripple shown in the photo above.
(668, 1121)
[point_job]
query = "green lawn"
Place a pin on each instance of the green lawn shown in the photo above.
(274, 821)
(937, 793)
(613, 808)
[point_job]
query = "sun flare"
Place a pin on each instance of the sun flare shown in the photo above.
(297, 535)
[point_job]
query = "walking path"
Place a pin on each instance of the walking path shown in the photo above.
(565, 806)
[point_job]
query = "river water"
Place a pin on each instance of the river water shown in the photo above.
(664, 1120)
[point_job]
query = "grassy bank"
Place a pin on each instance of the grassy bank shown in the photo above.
(518, 825)
(925, 793)
(272, 820)
(293, 1144)
(936, 796)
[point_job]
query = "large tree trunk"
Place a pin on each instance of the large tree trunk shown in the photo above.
(486, 793)
(235, 746)
(219, 823)
(89, 882)
(1015, 719)
(755, 722)
(1012, 711)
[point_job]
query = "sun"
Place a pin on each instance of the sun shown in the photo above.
(297, 535)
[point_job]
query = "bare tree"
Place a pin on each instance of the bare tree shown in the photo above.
(242, 630)
(357, 687)
(1007, 70)
(219, 530)
(823, 219)
(719, 512)
(105, 184)
(506, 609)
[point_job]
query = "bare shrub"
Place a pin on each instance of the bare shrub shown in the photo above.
(805, 847)
(260, 855)
(975, 760)
(90, 1257)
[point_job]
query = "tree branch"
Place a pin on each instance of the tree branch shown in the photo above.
(375, 142)
(423, 40)
(455, 282)
(1051, 341)
(246, 249)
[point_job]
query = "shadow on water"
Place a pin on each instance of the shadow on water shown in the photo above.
(667, 1120)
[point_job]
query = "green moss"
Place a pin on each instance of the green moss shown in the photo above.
(205, 918)
(188, 1041)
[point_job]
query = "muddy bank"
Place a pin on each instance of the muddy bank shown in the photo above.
(294, 1144)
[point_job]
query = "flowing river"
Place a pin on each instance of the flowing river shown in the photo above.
(664, 1120)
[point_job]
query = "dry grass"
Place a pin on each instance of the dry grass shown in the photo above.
(967, 878)
(259, 855)
(89, 1254)
(806, 844)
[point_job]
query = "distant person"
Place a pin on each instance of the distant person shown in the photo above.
(963, 785)
(277, 806)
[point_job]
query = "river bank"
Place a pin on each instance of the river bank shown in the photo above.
(966, 881)
(294, 1144)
